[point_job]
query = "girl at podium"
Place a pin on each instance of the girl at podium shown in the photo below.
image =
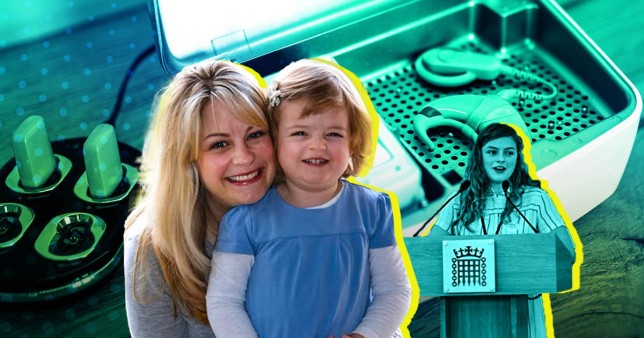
(502, 198)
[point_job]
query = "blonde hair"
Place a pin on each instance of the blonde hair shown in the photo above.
(325, 86)
(173, 199)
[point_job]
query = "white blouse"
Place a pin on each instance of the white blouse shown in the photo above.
(535, 204)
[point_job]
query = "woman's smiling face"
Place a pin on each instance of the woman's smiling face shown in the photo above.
(499, 160)
(236, 163)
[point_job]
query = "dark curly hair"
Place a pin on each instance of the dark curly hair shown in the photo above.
(473, 199)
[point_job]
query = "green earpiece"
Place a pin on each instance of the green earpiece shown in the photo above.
(102, 161)
(467, 113)
(35, 159)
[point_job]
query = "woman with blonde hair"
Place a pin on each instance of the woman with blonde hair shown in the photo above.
(208, 149)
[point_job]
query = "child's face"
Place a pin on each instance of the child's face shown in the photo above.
(499, 159)
(313, 151)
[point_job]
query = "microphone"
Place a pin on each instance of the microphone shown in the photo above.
(464, 185)
(505, 185)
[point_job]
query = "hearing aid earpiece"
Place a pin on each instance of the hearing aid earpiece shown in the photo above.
(429, 118)
(451, 68)
(446, 67)
(468, 113)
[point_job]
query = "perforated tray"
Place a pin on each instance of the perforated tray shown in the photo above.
(592, 120)
(399, 95)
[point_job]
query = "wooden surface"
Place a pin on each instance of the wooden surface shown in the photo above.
(523, 264)
(72, 78)
(509, 315)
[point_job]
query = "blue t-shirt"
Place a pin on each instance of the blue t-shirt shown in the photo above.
(310, 277)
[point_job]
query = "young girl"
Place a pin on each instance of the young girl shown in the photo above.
(483, 209)
(319, 252)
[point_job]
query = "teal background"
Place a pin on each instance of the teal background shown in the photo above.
(65, 60)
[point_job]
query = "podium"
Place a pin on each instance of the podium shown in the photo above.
(484, 281)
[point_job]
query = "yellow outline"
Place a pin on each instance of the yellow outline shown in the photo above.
(579, 254)
(398, 233)
(260, 80)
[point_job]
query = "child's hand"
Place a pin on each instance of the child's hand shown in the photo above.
(353, 335)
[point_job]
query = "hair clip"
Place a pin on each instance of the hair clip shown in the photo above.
(274, 96)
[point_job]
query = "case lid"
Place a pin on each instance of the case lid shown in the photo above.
(193, 30)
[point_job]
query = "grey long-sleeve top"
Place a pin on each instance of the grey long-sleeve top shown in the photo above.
(155, 318)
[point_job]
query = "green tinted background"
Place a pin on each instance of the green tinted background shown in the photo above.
(64, 60)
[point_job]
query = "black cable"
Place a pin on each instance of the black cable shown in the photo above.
(464, 185)
(121, 94)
